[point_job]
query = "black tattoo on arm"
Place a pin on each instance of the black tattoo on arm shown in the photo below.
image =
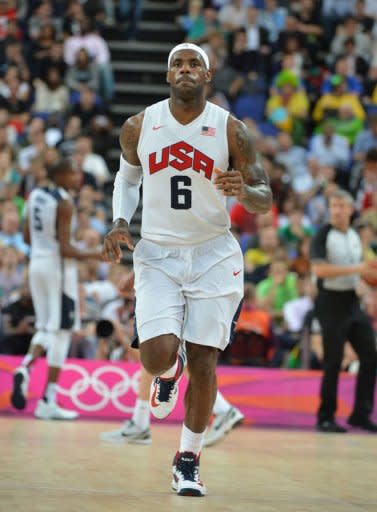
(244, 144)
(257, 195)
(129, 138)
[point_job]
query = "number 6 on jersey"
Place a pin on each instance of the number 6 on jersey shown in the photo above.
(180, 194)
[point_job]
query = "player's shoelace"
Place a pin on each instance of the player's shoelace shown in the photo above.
(165, 389)
(187, 464)
(166, 386)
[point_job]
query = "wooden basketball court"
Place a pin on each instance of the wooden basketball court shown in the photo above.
(64, 467)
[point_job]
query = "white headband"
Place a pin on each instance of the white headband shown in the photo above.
(189, 46)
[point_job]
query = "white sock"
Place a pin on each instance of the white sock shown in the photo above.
(170, 374)
(50, 394)
(190, 441)
(141, 414)
(27, 360)
(221, 405)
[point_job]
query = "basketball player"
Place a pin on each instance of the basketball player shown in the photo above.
(188, 267)
(53, 285)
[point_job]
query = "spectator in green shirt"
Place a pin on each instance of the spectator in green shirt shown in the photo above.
(272, 294)
(280, 287)
(295, 231)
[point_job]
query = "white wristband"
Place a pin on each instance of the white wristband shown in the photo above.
(126, 192)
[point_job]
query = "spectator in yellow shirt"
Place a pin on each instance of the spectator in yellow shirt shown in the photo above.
(288, 103)
(331, 103)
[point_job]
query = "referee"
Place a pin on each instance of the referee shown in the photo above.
(335, 255)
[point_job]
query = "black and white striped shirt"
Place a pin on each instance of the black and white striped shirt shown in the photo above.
(338, 248)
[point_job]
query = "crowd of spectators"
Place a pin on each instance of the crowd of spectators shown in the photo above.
(301, 74)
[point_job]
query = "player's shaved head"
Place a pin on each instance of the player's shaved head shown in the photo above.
(59, 168)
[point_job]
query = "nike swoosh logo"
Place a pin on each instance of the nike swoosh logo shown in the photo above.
(217, 427)
(153, 398)
(236, 273)
(154, 128)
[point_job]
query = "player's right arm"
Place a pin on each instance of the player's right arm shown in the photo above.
(67, 250)
(26, 230)
(126, 190)
(129, 138)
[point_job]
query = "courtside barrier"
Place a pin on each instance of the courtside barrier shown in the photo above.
(107, 390)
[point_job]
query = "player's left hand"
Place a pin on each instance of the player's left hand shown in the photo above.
(231, 183)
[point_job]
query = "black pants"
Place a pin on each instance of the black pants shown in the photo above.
(342, 319)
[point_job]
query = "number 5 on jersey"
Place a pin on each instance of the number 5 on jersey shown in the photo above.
(37, 221)
(180, 195)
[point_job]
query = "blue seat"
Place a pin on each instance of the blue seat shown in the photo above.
(74, 98)
(250, 105)
(243, 241)
(371, 109)
(268, 129)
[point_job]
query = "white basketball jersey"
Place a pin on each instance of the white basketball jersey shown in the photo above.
(42, 208)
(181, 206)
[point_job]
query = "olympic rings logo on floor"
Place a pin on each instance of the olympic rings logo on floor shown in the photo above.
(92, 382)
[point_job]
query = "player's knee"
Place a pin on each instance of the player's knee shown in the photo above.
(159, 354)
(58, 348)
(158, 362)
(201, 362)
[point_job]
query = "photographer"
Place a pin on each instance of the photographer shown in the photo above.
(18, 324)
(115, 329)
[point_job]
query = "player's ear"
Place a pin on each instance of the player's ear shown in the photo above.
(208, 76)
(167, 77)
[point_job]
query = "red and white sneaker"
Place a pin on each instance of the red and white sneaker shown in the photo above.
(164, 392)
(186, 480)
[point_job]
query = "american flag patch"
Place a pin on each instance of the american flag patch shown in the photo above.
(208, 131)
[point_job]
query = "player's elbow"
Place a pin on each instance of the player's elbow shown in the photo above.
(265, 208)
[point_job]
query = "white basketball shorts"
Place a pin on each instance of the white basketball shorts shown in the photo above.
(54, 290)
(192, 292)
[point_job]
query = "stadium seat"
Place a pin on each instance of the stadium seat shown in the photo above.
(249, 105)
(371, 109)
(268, 129)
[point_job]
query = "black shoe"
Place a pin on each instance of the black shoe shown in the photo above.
(330, 426)
(20, 384)
(364, 423)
